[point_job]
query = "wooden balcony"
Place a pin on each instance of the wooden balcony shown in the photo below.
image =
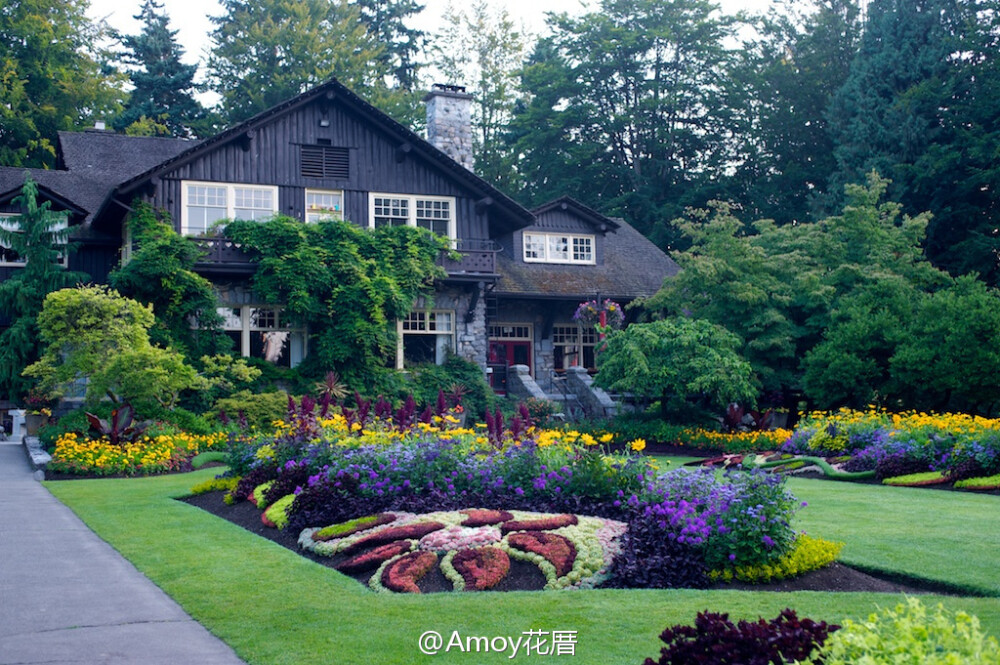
(471, 259)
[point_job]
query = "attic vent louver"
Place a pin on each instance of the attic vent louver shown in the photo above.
(323, 161)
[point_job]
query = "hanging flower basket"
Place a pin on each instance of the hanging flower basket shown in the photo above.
(588, 314)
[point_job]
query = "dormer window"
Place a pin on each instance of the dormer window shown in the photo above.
(558, 248)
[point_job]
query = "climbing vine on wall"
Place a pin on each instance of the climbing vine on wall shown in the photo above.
(345, 284)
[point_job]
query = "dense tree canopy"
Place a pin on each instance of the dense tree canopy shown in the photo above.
(51, 77)
(267, 51)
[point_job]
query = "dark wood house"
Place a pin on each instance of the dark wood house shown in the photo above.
(507, 299)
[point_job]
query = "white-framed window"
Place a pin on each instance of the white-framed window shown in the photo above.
(324, 204)
(258, 332)
(205, 203)
(425, 336)
(558, 248)
(8, 257)
(511, 331)
(435, 213)
(574, 346)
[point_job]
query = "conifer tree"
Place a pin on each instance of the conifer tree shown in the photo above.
(164, 86)
(39, 240)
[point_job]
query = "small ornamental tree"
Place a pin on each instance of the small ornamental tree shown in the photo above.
(682, 362)
(94, 333)
(345, 284)
(39, 240)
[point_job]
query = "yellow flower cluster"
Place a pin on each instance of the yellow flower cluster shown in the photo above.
(907, 423)
(702, 438)
(165, 452)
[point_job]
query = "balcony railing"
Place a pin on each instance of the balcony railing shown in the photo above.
(470, 258)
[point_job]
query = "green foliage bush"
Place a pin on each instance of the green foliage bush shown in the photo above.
(910, 633)
(260, 409)
(215, 484)
(345, 284)
(679, 361)
(807, 554)
(989, 482)
(426, 380)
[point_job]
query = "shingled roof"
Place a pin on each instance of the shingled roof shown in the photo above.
(633, 267)
(92, 164)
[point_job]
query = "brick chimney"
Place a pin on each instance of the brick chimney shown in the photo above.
(449, 122)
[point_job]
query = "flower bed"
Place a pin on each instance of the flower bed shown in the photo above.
(556, 500)
(76, 454)
(927, 449)
(577, 554)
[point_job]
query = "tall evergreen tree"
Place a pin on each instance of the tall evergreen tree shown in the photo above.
(919, 106)
(39, 239)
(786, 77)
(51, 77)
(267, 51)
(386, 21)
(645, 103)
(163, 85)
(482, 47)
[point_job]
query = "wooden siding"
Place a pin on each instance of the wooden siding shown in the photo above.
(272, 157)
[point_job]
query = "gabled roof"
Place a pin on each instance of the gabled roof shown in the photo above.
(12, 181)
(93, 162)
(580, 211)
(333, 91)
(633, 267)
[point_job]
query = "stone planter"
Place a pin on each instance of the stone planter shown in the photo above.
(32, 422)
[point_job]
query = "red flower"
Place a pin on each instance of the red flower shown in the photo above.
(543, 524)
(404, 532)
(481, 568)
(373, 558)
(403, 574)
(556, 549)
(480, 517)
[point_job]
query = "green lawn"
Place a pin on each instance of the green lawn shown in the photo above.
(273, 606)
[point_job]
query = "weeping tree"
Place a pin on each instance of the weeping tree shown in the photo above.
(684, 363)
(38, 237)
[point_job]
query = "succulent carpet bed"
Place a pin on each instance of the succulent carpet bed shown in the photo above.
(527, 576)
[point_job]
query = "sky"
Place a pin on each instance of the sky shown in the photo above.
(190, 17)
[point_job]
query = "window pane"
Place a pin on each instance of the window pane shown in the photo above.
(434, 216)
(582, 250)
(206, 205)
(558, 248)
(391, 212)
(534, 246)
(253, 203)
(323, 205)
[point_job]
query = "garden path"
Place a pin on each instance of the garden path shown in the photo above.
(66, 596)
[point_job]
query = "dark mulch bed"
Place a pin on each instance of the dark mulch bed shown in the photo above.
(525, 576)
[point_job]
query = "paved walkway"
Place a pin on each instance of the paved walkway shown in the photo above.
(66, 596)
